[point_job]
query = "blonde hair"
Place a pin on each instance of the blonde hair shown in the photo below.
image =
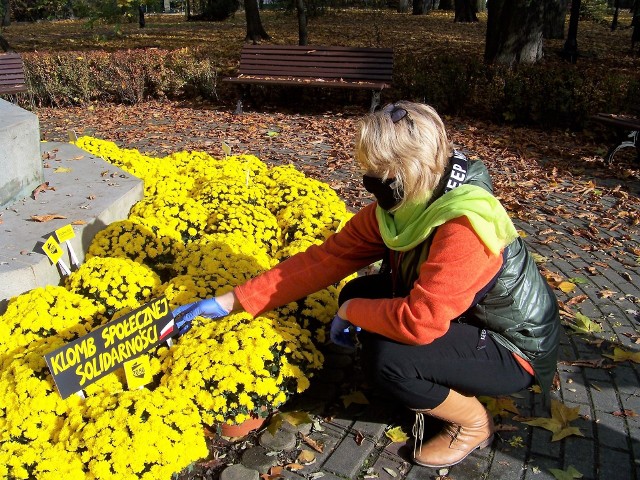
(415, 150)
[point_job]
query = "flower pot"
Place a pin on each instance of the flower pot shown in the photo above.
(242, 429)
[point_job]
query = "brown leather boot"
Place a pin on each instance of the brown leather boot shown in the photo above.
(468, 426)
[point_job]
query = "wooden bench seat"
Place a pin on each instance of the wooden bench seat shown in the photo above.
(12, 78)
(628, 130)
(315, 66)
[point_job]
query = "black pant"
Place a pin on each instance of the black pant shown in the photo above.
(421, 376)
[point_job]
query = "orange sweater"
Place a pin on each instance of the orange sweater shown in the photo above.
(458, 266)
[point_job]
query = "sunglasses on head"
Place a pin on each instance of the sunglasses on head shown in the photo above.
(395, 112)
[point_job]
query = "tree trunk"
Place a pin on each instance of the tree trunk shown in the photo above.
(141, 20)
(420, 7)
(635, 36)
(303, 33)
(555, 13)
(4, 45)
(614, 21)
(465, 11)
(514, 31)
(255, 30)
(570, 50)
(6, 17)
(446, 5)
(481, 6)
(403, 6)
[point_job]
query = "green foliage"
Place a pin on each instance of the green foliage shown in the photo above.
(547, 95)
(594, 10)
(124, 76)
(219, 10)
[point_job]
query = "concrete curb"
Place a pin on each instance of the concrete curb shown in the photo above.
(92, 193)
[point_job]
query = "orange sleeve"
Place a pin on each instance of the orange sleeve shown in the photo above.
(458, 266)
(357, 245)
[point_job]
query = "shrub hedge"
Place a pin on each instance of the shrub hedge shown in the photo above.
(123, 76)
(546, 94)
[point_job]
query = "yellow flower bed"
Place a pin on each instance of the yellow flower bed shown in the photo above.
(204, 226)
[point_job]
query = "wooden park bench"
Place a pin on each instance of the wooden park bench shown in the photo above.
(12, 78)
(628, 131)
(315, 66)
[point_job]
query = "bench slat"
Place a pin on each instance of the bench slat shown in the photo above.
(12, 78)
(309, 82)
(622, 121)
(314, 73)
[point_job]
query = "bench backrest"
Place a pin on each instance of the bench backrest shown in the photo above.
(12, 79)
(317, 62)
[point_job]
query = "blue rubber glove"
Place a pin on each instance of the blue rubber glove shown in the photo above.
(341, 332)
(185, 314)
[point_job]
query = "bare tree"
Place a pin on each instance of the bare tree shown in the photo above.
(5, 9)
(255, 30)
(403, 6)
(466, 11)
(635, 23)
(555, 13)
(514, 31)
(303, 33)
(570, 49)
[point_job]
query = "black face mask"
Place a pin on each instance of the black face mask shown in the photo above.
(387, 194)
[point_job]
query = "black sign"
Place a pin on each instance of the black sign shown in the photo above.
(89, 358)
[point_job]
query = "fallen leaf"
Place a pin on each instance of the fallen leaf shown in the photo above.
(208, 433)
(78, 222)
(396, 435)
(583, 324)
(569, 474)
(567, 287)
(293, 466)
(354, 397)
(306, 457)
(606, 293)
(43, 187)
(593, 363)
(390, 471)
(577, 299)
(502, 427)
(46, 218)
(358, 437)
(621, 355)
(559, 422)
(317, 446)
(62, 170)
(539, 258)
(499, 405)
(627, 412)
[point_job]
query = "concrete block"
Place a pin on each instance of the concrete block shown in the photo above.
(82, 195)
(20, 164)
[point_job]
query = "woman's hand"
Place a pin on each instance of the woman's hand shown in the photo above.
(341, 332)
(210, 308)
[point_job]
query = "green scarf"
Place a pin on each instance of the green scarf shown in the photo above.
(410, 225)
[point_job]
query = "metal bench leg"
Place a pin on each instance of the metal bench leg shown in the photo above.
(238, 110)
(622, 143)
(242, 89)
(375, 101)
